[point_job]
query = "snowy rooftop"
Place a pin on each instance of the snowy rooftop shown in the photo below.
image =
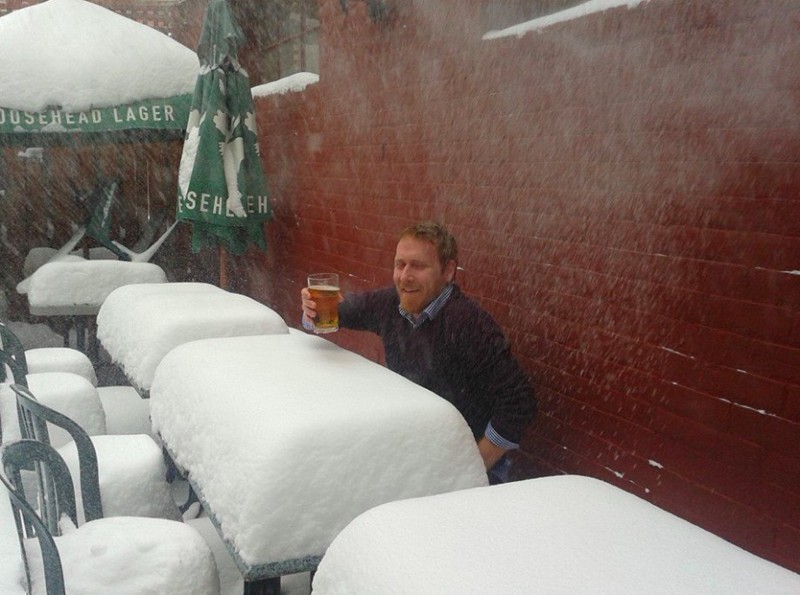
(78, 55)
(581, 10)
(139, 324)
(292, 83)
(289, 437)
(567, 534)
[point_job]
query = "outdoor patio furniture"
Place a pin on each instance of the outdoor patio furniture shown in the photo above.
(563, 534)
(330, 433)
(99, 410)
(77, 289)
(105, 553)
(73, 288)
(130, 468)
(40, 255)
(74, 305)
(45, 359)
(98, 225)
(139, 324)
(68, 393)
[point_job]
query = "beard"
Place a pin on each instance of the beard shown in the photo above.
(411, 302)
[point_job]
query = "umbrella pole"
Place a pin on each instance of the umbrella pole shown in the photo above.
(223, 268)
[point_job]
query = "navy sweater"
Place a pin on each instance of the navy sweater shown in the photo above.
(461, 355)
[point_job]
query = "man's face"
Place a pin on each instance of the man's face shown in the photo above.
(418, 274)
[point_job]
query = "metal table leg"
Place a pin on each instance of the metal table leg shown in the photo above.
(80, 333)
(266, 586)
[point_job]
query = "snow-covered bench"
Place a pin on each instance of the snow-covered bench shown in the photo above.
(139, 324)
(287, 438)
(565, 534)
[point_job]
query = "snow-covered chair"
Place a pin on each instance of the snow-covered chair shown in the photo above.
(68, 393)
(121, 409)
(45, 359)
(130, 469)
(146, 253)
(98, 226)
(125, 555)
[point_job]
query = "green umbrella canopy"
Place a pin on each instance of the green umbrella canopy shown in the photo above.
(72, 71)
(221, 185)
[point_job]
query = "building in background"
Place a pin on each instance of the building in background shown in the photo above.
(625, 188)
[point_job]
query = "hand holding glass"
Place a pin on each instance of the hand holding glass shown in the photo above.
(324, 290)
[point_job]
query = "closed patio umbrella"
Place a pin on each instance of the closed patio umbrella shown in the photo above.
(221, 185)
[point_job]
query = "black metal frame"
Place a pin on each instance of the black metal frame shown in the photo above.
(21, 455)
(34, 417)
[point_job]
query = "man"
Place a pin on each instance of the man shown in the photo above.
(439, 338)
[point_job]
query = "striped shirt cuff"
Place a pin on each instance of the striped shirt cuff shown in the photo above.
(498, 440)
(307, 324)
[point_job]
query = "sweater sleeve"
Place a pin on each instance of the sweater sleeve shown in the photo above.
(366, 311)
(506, 384)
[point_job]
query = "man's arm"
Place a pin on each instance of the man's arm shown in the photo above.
(506, 385)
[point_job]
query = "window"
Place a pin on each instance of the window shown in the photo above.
(282, 39)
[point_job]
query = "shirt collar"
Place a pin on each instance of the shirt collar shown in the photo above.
(432, 309)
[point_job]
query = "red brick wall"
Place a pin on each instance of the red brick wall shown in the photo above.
(626, 192)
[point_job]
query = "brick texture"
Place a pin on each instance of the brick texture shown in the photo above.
(626, 191)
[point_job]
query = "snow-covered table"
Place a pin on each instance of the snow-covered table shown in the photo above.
(78, 288)
(565, 534)
(139, 324)
(287, 438)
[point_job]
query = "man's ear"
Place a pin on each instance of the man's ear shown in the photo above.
(450, 270)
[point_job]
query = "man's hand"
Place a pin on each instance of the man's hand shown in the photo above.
(309, 305)
(490, 452)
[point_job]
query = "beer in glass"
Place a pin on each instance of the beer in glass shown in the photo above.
(324, 290)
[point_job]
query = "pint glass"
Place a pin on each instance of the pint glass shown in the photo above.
(324, 290)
